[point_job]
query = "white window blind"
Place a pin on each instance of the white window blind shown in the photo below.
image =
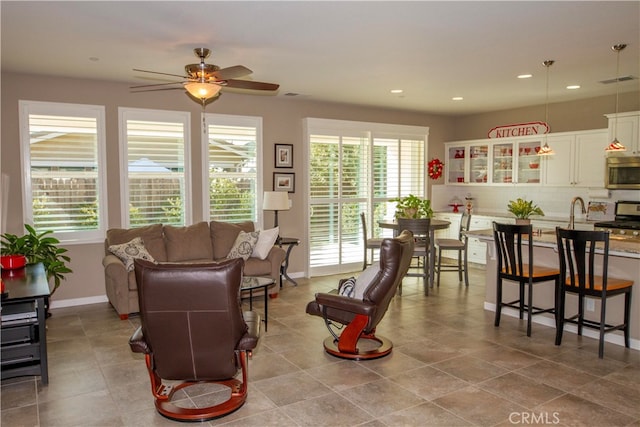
(232, 167)
(62, 147)
(156, 152)
(357, 167)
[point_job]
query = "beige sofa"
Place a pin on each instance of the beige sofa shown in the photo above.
(196, 243)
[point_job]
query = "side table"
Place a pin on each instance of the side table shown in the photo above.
(289, 242)
(249, 283)
(24, 333)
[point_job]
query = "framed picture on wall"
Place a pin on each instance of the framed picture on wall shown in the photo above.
(284, 155)
(284, 182)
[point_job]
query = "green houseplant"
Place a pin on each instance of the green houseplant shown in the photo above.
(38, 248)
(413, 207)
(523, 209)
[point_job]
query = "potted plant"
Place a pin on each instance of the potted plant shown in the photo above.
(413, 207)
(523, 209)
(38, 248)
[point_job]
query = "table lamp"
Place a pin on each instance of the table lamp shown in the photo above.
(275, 201)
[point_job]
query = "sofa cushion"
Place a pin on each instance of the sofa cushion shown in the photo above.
(224, 234)
(129, 251)
(188, 243)
(243, 246)
(266, 240)
(151, 236)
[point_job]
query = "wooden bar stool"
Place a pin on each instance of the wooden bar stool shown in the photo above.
(587, 276)
(512, 267)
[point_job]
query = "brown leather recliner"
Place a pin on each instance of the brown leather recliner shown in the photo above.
(193, 330)
(362, 316)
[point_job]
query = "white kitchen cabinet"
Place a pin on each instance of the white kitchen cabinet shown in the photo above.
(579, 159)
(478, 249)
(628, 131)
(467, 162)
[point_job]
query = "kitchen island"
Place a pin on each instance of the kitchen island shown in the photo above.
(624, 262)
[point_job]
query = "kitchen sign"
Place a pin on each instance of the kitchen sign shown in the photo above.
(519, 129)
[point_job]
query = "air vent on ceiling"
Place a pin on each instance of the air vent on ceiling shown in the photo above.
(620, 79)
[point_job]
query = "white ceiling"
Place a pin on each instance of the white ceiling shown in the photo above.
(347, 52)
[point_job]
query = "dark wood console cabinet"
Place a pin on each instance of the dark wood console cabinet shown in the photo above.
(23, 348)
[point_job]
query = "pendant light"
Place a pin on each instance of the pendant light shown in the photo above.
(545, 150)
(615, 144)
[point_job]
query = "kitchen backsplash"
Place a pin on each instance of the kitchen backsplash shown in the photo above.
(554, 201)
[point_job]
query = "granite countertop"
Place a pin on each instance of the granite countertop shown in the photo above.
(580, 219)
(622, 246)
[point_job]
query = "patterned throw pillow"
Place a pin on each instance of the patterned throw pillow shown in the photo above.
(127, 252)
(243, 246)
(347, 287)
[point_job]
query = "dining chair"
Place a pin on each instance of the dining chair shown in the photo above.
(584, 271)
(460, 246)
(516, 265)
(370, 244)
(420, 229)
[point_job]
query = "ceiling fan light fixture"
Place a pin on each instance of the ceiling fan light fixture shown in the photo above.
(203, 91)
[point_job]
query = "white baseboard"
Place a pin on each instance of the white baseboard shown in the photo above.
(548, 321)
(79, 301)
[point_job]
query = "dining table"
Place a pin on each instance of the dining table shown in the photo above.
(435, 224)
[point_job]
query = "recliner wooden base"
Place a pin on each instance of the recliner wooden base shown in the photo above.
(384, 349)
(163, 394)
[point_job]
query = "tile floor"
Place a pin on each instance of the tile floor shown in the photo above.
(450, 367)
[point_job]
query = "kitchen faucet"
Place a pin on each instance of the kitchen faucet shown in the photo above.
(572, 214)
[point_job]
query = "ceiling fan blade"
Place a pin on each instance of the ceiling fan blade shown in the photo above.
(251, 85)
(157, 72)
(155, 84)
(231, 72)
(157, 89)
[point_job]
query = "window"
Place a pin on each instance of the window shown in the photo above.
(357, 167)
(155, 167)
(232, 167)
(63, 148)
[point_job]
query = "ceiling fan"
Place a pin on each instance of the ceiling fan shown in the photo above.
(204, 81)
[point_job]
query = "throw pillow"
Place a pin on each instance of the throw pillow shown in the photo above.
(127, 252)
(243, 246)
(346, 288)
(364, 280)
(266, 240)
(188, 243)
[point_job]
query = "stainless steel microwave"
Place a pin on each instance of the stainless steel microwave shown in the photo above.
(623, 173)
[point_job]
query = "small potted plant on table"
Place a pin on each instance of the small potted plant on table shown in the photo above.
(39, 248)
(523, 209)
(413, 207)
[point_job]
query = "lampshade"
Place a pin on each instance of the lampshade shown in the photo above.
(275, 201)
(615, 144)
(202, 91)
(545, 150)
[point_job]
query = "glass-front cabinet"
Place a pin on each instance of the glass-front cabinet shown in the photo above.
(528, 162)
(479, 163)
(455, 164)
(493, 162)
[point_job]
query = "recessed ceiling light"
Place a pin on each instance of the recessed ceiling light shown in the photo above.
(457, 98)
(396, 91)
(572, 87)
(525, 76)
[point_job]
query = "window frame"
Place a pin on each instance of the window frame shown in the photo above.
(346, 129)
(26, 108)
(151, 115)
(215, 119)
